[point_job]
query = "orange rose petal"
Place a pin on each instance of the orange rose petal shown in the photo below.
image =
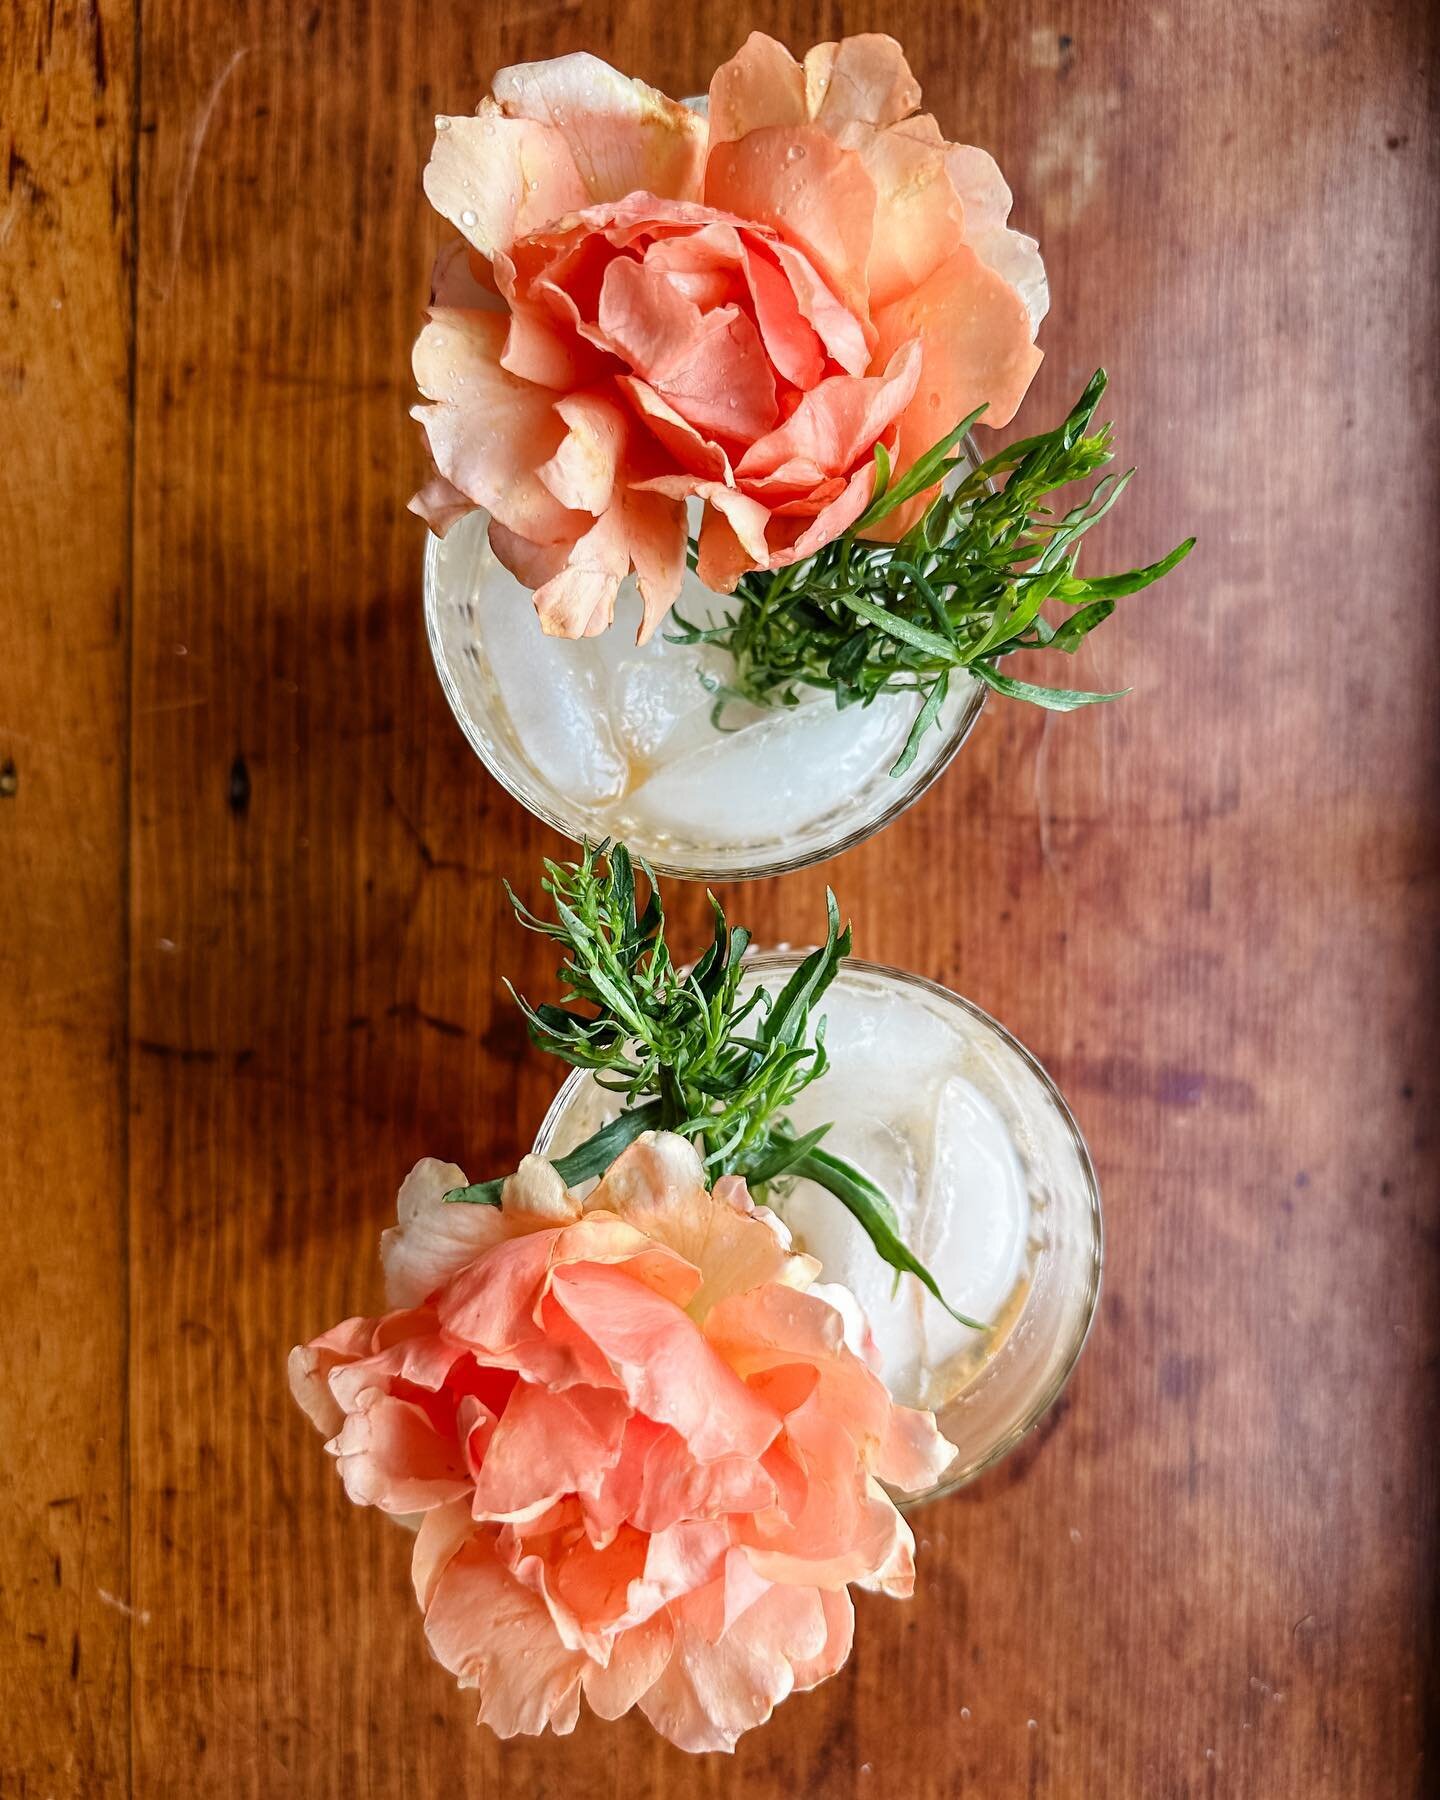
(581, 473)
(488, 432)
(579, 601)
(864, 77)
(817, 195)
(496, 178)
(545, 1446)
(827, 524)
(622, 135)
(492, 1632)
(636, 1660)
(533, 564)
(391, 1456)
(847, 336)
(664, 1365)
(440, 504)
(762, 84)
(985, 196)
(919, 220)
(655, 535)
(541, 349)
(311, 1364)
(691, 448)
(976, 336)
(839, 420)
(444, 1530)
(710, 1694)
(722, 558)
(839, 1612)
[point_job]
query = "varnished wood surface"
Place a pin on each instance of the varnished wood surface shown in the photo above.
(250, 931)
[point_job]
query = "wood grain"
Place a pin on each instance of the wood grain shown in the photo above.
(250, 943)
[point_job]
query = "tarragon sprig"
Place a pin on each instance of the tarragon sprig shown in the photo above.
(962, 589)
(688, 1051)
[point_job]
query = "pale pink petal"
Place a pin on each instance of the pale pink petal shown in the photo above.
(497, 178)
(840, 421)
(656, 534)
(535, 1196)
(896, 1575)
(434, 1238)
(547, 351)
(488, 431)
(658, 1185)
(690, 448)
(391, 1456)
(532, 564)
(710, 367)
(463, 278)
(311, 1365)
(976, 178)
(581, 473)
(440, 504)
(623, 136)
(548, 1445)
(443, 1531)
(492, 1632)
(709, 1694)
(636, 1660)
(919, 220)
(913, 1455)
(762, 84)
(580, 600)
(862, 78)
(839, 1611)
(798, 180)
(664, 1365)
(978, 350)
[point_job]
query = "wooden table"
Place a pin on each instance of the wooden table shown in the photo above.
(252, 929)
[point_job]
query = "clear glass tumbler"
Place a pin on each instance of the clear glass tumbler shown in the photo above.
(993, 1182)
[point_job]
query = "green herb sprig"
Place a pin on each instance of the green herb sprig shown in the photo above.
(690, 1053)
(962, 589)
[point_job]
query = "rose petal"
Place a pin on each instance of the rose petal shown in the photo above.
(976, 335)
(497, 178)
(708, 1694)
(839, 421)
(862, 78)
(488, 431)
(814, 193)
(444, 1530)
(492, 1632)
(839, 1611)
(636, 1660)
(548, 1445)
(622, 135)
(579, 601)
(433, 1239)
(581, 473)
(762, 84)
(311, 1365)
(919, 220)
(664, 1365)
(391, 1456)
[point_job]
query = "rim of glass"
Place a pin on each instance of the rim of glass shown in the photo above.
(763, 867)
(1051, 1392)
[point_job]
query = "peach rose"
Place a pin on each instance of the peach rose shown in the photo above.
(645, 1459)
(648, 305)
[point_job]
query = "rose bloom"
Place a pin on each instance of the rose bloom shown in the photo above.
(648, 305)
(644, 1448)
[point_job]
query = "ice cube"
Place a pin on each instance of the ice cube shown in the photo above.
(554, 690)
(976, 1228)
(775, 775)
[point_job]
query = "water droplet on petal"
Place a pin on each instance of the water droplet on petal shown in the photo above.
(442, 123)
(795, 153)
(469, 218)
(533, 185)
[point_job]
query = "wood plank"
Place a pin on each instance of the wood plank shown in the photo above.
(1210, 910)
(65, 245)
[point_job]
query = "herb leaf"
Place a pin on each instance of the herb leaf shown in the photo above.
(961, 589)
(685, 1049)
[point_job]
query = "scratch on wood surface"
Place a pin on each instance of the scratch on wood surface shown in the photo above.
(1042, 795)
(123, 1606)
(187, 180)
